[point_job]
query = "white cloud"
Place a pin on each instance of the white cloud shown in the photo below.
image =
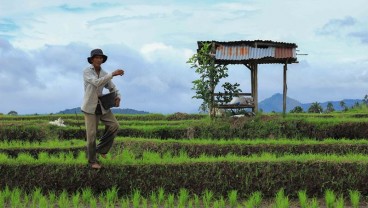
(44, 46)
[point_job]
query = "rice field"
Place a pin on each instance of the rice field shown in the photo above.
(188, 161)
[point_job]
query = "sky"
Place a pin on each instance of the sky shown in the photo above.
(44, 47)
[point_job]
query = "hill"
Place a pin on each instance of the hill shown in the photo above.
(274, 103)
(114, 110)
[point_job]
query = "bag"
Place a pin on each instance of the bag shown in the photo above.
(108, 100)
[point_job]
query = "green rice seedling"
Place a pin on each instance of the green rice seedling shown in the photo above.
(254, 200)
(153, 197)
(183, 197)
(52, 198)
(112, 195)
(144, 203)
(167, 156)
(2, 199)
(125, 202)
(183, 155)
(161, 196)
(314, 203)
(87, 195)
(69, 158)
(207, 198)
(6, 193)
(25, 200)
(81, 156)
(196, 200)
(43, 156)
(222, 202)
(330, 198)
(136, 198)
(257, 198)
(340, 202)
(171, 200)
(154, 205)
(36, 195)
(76, 199)
(127, 156)
(233, 198)
(15, 197)
(149, 156)
(190, 203)
(281, 201)
(92, 202)
(354, 198)
(303, 199)
(216, 204)
(43, 202)
(63, 200)
(102, 200)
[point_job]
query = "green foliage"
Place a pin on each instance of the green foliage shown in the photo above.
(315, 108)
(230, 90)
(330, 198)
(354, 198)
(303, 199)
(330, 108)
(297, 109)
(210, 75)
(13, 113)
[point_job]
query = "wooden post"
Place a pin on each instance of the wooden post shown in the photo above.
(285, 91)
(251, 67)
(255, 96)
(254, 84)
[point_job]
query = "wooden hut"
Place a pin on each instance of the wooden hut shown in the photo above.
(252, 53)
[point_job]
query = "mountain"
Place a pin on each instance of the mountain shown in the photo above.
(114, 110)
(274, 103)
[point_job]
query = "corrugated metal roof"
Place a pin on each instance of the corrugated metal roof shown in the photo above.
(241, 52)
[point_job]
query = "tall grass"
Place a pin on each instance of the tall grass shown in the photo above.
(85, 198)
(354, 198)
(303, 199)
(127, 157)
(74, 143)
(281, 201)
(330, 198)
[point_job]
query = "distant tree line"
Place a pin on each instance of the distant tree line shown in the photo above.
(317, 108)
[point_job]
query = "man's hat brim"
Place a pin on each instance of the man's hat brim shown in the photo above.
(89, 59)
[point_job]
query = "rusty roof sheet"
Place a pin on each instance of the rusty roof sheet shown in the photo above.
(258, 51)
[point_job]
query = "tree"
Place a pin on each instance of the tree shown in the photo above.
(343, 106)
(13, 113)
(315, 108)
(330, 108)
(297, 109)
(210, 75)
(365, 100)
(356, 105)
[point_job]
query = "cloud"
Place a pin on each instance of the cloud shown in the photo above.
(336, 26)
(18, 70)
(50, 78)
(362, 36)
(44, 46)
(8, 25)
(69, 8)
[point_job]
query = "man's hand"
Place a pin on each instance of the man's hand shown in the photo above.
(117, 102)
(118, 72)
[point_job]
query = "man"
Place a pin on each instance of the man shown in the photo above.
(95, 79)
